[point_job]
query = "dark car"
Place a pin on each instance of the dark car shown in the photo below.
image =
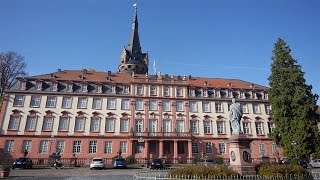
(304, 163)
(119, 163)
(156, 164)
(22, 163)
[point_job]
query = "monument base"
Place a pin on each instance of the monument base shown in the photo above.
(240, 157)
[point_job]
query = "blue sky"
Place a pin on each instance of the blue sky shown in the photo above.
(205, 38)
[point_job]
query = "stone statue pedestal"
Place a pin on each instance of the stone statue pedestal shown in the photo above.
(240, 156)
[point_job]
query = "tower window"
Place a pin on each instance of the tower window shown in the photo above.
(129, 66)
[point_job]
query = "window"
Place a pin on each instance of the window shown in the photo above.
(70, 87)
(35, 101)
(47, 123)
(82, 102)
(126, 90)
(179, 106)
(123, 147)
(18, 101)
(54, 86)
(96, 103)
(139, 105)
(205, 93)
(267, 109)
(179, 92)
(275, 149)
(139, 124)
(51, 101)
(180, 126)
(31, 123)
(166, 126)
(66, 102)
(98, 88)
(219, 107)
(139, 90)
(123, 125)
(113, 89)
(111, 104)
(109, 125)
(79, 124)
(14, 123)
(84, 88)
(193, 107)
(259, 128)
(139, 147)
(270, 127)
(194, 126)
(166, 106)
(95, 124)
(153, 90)
(166, 91)
(222, 148)
(125, 104)
(43, 146)
(63, 123)
(76, 146)
(153, 105)
(220, 127)
(92, 147)
(256, 108)
(207, 127)
(244, 108)
(246, 128)
(206, 107)
(208, 147)
(39, 86)
(192, 92)
(26, 145)
(195, 148)
(108, 147)
(8, 146)
(60, 145)
(262, 150)
(23, 85)
(152, 127)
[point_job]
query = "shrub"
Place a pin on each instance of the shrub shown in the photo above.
(219, 160)
(196, 159)
(268, 170)
(5, 167)
(131, 159)
(202, 171)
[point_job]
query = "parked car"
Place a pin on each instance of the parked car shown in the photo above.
(97, 163)
(206, 162)
(314, 163)
(304, 162)
(156, 164)
(119, 163)
(22, 162)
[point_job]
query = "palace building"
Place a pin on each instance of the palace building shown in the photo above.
(98, 114)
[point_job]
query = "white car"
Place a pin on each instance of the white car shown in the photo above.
(97, 163)
(314, 163)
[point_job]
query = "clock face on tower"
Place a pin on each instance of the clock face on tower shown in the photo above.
(233, 156)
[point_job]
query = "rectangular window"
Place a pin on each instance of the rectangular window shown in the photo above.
(95, 124)
(18, 101)
(205, 93)
(60, 146)
(139, 125)
(51, 101)
(84, 88)
(14, 123)
(153, 106)
(109, 125)
(111, 104)
(246, 128)
(123, 147)
(76, 146)
(113, 89)
(139, 105)
(262, 150)
(43, 146)
(166, 106)
(39, 86)
(98, 88)
(54, 87)
(267, 109)
(208, 147)
(220, 127)
(192, 92)
(123, 125)
(125, 104)
(69, 87)
(8, 146)
(193, 107)
(139, 147)
(259, 128)
(194, 126)
(139, 90)
(31, 123)
(206, 107)
(166, 91)
(63, 123)
(96, 103)
(245, 108)
(180, 126)
(79, 124)
(270, 127)
(153, 90)
(108, 147)
(179, 92)
(47, 123)
(92, 147)
(256, 109)
(126, 90)
(179, 106)
(82, 103)
(66, 102)
(275, 149)
(26, 145)
(152, 127)
(207, 127)
(222, 148)
(219, 107)
(195, 148)
(166, 126)
(35, 101)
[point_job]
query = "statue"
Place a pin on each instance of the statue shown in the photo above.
(235, 115)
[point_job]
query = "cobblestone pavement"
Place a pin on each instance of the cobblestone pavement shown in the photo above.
(72, 174)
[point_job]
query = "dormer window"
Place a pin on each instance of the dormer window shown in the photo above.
(54, 86)
(230, 95)
(192, 92)
(255, 96)
(39, 86)
(23, 86)
(84, 88)
(113, 89)
(98, 88)
(70, 87)
(242, 95)
(218, 94)
(126, 90)
(205, 93)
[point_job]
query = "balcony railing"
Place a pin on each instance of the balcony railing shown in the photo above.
(160, 134)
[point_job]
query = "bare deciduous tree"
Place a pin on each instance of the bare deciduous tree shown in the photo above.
(12, 65)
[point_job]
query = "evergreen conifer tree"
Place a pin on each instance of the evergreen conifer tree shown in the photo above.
(293, 105)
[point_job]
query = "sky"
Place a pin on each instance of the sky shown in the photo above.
(203, 38)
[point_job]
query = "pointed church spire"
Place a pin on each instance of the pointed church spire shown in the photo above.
(134, 42)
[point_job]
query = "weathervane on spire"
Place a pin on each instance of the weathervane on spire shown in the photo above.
(135, 4)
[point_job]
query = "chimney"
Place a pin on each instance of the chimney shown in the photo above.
(190, 77)
(109, 75)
